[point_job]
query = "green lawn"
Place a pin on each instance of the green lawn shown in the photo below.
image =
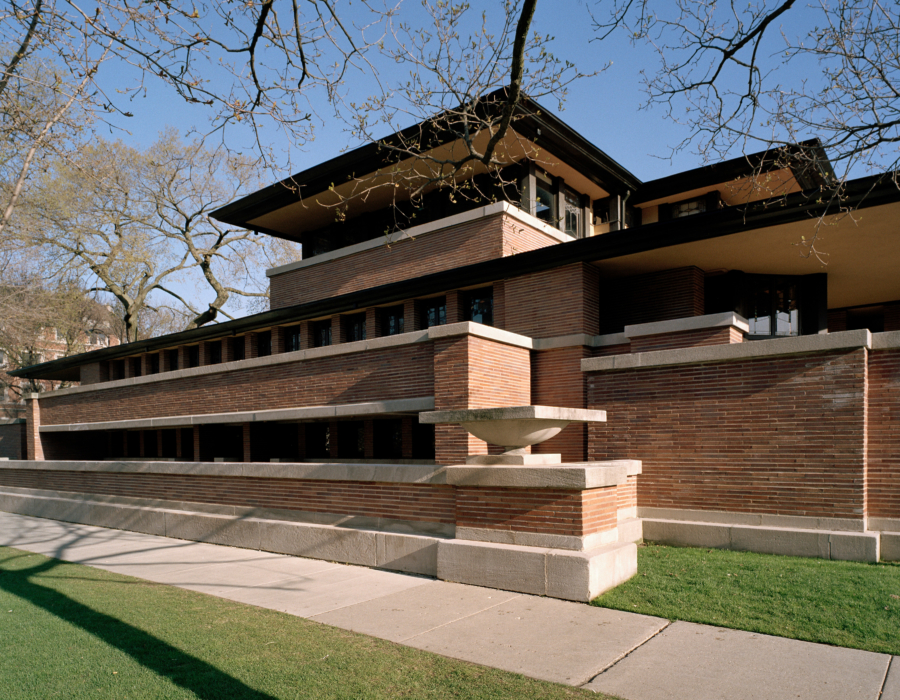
(848, 604)
(71, 631)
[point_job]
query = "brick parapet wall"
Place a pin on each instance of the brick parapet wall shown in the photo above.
(540, 511)
(473, 372)
(376, 375)
(556, 302)
(546, 511)
(13, 440)
(463, 244)
(557, 380)
(655, 296)
(721, 335)
(782, 435)
(884, 434)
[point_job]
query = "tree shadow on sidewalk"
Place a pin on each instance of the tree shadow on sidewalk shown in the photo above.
(195, 675)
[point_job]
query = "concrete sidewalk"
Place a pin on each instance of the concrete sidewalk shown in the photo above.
(633, 656)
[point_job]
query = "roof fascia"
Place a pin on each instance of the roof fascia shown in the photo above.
(530, 121)
(727, 171)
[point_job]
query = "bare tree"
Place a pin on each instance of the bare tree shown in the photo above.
(135, 225)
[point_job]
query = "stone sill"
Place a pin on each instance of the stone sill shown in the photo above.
(735, 352)
(409, 234)
(569, 477)
(350, 410)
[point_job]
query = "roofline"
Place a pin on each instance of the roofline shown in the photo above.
(558, 136)
(862, 193)
(728, 170)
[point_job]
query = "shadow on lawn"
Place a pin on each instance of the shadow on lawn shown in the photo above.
(204, 680)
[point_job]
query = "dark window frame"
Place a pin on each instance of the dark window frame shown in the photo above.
(484, 297)
(354, 327)
(321, 333)
(437, 305)
(293, 338)
(392, 320)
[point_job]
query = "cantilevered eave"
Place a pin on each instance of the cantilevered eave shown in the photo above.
(858, 194)
(726, 171)
(533, 122)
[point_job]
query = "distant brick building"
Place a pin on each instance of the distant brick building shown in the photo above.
(759, 389)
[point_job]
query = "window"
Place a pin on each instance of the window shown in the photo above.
(689, 207)
(173, 359)
(215, 352)
(355, 327)
(264, 344)
(388, 438)
(193, 355)
(574, 214)
(238, 348)
(392, 321)
(434, 312)
(351, 440)
(480, 306)
(321, 333)
(117, 369)
(544, 200)
(292, 338)
(153, 363)
(136, 366)
(318, 440)
(773, 308)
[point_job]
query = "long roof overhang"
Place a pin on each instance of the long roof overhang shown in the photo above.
(531, 122)
(743, 238)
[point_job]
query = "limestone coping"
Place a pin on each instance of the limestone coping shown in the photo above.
(373, 408)
(572, 477)
(423, 229)
(510, 413)
(563, 476)
(800, 345)
(690, 323)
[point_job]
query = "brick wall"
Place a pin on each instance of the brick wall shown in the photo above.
(415, 502)
(656, 296)
(455, 246)
(392, 373)
(472, 372)
(557, 380)
(561, 301)
(12, 441)
(722, 335)
(782, 435)
(884, 434)
(626, 494)
(95, 372)
(547, 511)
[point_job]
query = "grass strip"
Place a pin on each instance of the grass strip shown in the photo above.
(848, 604)
(72, 631)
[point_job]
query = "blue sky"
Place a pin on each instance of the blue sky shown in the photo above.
(606, 109)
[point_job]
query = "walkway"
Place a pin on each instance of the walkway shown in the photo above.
(634, 656)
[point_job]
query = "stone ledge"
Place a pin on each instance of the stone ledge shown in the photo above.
(579, 576)
(890, 546)
(820, 544)
(371, 473)
(689, 323)
(374, 408)
(576, 477)
(792, 522)
(889, 340)
(884, 524)
(339, 520)
(826, 342)
(540, 539)
(424, 229)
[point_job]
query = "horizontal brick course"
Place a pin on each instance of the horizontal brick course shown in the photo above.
(784, 435)
(412, 502)
(476, 241)
(392, 373)
(884, 434)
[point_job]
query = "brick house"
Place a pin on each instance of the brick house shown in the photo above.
(752, 393)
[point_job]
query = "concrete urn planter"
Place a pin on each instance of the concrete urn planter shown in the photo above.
(514, 428)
